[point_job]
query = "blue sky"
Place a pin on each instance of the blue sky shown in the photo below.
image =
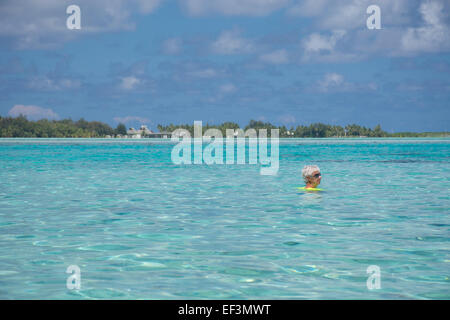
(285, 61)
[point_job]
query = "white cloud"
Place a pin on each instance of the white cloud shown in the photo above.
(351, 14)
(46, 83)
(353, 41)
(318, 47)
(32, 112)
(230, 42)
(185, 71)
(223, 91)
(128, 119)
(31, 24)
(42, 24)
(434, 36)
(148, 6)
(335, 82)
(68, 83)
(129, 83)
(172, 46)
(317, 42)
(276, 57)
(331, 81)
(227, 88)
(233, 7)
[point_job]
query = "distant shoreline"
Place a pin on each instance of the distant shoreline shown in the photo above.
(21, 127)
(283, 138)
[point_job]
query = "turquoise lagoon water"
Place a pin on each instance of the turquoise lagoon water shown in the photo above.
(140, 227)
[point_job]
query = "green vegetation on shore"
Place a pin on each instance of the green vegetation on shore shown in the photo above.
(315, 130)
(20, 127)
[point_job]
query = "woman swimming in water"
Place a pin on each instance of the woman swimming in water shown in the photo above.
(311, 176)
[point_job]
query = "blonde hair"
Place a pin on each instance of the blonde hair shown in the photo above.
(307, 172)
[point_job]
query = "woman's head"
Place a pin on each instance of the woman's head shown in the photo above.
(311, 175)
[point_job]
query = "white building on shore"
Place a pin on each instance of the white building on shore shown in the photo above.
(145, 132)
(137, 134)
